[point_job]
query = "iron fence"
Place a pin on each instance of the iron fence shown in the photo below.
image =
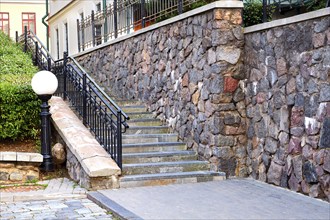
(97, 110)
(124, 17)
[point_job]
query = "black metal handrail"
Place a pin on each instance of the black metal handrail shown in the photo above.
(98, 111)
(123, 17)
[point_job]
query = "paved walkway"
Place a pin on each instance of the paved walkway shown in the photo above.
(230, 199)
(56, 188)
(61, 199)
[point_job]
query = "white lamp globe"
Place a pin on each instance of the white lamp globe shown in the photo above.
(44, 83)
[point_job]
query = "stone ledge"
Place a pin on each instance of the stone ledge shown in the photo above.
(21, 157)
(289, 20)
(94, 160)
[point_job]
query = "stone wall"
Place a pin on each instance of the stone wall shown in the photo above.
(187, 73)
(288, 106)
(19, 167)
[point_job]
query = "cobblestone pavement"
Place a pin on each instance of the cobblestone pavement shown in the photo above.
(61, 199)
(53, 209)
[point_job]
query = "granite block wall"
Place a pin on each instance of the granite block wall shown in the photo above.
(188, 74)
(288, 106)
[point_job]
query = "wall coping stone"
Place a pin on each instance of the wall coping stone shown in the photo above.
(289, 20)
(93, 158)
(20, 157)
(199, 10)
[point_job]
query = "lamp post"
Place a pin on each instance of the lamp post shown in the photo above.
(44, 84)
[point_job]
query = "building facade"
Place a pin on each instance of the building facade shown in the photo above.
(62, 22)
(15, 14)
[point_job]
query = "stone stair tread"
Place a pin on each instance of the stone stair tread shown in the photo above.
(133, 136)
(172, 163)
(141, 127)
(160, 154)
(170, 175)
(153, 144)
(142, 120)
(134, 106)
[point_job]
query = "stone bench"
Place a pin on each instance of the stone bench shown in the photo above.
(19, 167)
(87, 161)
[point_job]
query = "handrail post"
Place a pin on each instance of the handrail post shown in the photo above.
(36, 54)
(143, 13)
(49, 63)
(84, 110)
(119, 139)
(78, 33)
(93, 27)
(180, 7)
(65, 63)
(25, 39)
(16, 36)
(115, 18)
(105, 23)
(264, 10)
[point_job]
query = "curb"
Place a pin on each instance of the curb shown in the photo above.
(112, 206)
(20, 197)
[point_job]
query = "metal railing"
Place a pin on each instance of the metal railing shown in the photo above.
(124, 17)
(97, 110)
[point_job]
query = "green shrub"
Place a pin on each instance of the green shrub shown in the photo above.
(19, 106)
(252, 12)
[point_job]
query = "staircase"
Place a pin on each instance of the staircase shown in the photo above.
(153, 156)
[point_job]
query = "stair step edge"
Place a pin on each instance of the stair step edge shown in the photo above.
(172, 163)
(153, 144)
(170, 175)
(160, 153)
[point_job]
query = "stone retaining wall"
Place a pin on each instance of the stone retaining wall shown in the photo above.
(288, 106)
(19, 167)
(87, 161)
(186, 73)
(265, 114)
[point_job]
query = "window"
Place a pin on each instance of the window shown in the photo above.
(66, 37)
(98, 7)
(57, 44)
(4, 22)
(29, 20)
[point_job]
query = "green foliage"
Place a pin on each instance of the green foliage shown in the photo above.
(12, 59)
(315, 5)
(252, 12)
(19, 106)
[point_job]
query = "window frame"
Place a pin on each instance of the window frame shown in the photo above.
(2, 21)
(28, 20)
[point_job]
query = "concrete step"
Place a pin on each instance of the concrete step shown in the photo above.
(153, 147)
(145, 122)
(136, 115)
(170, 178)
(134, 108)
(145, 138)
(164, 167)
(147, 130)
(153, 157)
(125, 102)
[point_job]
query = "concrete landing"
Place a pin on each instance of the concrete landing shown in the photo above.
(230, 199)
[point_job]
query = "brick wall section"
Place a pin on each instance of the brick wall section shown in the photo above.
(288, 106)
(187, 74)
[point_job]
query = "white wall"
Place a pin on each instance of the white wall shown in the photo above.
(62, 12)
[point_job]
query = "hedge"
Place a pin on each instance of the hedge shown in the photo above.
(19, 106)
